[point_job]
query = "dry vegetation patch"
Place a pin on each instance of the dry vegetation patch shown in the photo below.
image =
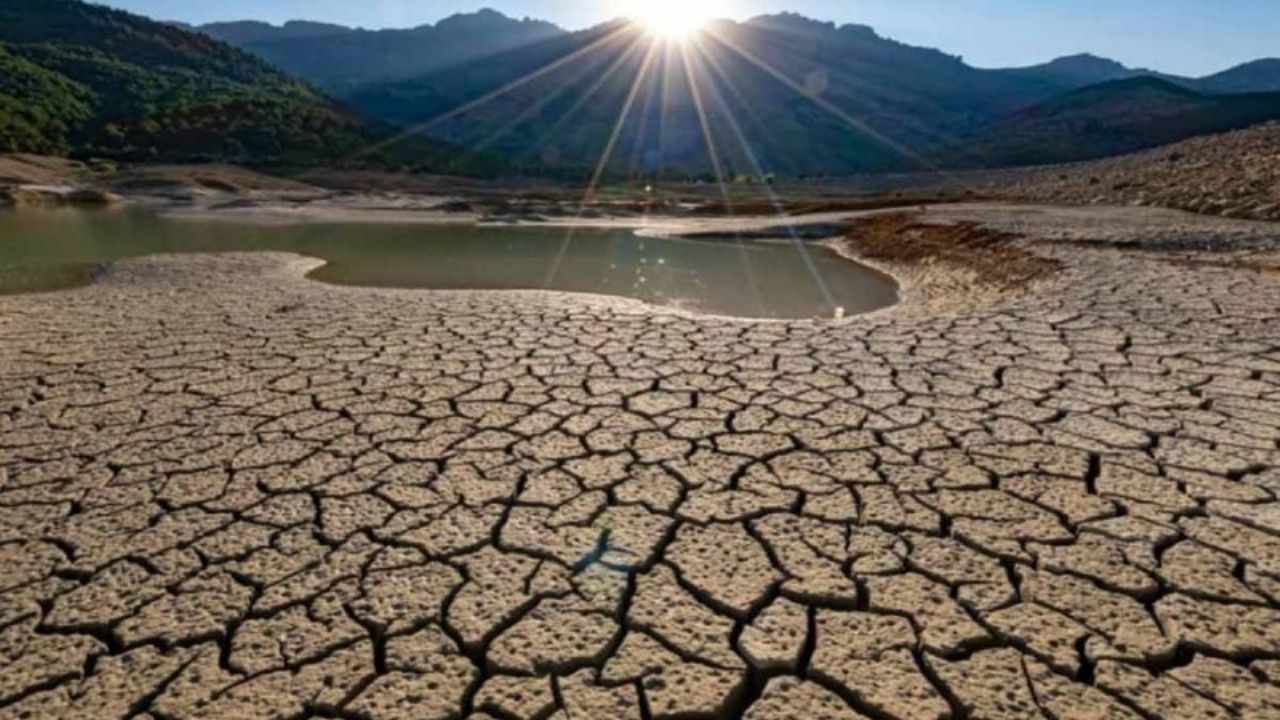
(981, 255)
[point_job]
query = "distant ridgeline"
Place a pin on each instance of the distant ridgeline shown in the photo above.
(782, 94)
(778, 94)
(88, 81)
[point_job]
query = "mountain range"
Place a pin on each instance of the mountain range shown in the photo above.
(340, 59)
(1077, 71)
(776, 94)
(1111, 118)
(780, 93)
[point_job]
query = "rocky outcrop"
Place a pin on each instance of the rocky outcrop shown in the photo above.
(57, 195)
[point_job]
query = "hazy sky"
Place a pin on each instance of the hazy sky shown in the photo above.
(1193, 37)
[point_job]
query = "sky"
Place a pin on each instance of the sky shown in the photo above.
(1189, 37)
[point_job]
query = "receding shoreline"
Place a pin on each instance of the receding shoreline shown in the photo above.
(923, 279)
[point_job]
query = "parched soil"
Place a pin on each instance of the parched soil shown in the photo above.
(801, 203)
(230, 492)
(1242, 264)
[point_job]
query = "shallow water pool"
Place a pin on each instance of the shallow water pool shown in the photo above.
(56, 249)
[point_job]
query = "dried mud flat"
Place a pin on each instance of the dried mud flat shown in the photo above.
(230, 492)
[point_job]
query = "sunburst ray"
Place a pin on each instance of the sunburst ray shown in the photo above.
(779, 208)
(836, 112)
(488, 97)
(603, 164)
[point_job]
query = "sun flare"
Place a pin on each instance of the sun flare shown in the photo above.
(674, 19)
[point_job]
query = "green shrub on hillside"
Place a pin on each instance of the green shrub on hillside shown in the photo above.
(89, 81)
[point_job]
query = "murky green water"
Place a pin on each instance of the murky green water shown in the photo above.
(54, 249)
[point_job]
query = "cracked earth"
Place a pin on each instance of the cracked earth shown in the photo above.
(230, 492)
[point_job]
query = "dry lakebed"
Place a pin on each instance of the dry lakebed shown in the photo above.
(1038, 478)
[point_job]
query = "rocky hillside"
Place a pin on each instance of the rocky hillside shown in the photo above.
(1234, 174)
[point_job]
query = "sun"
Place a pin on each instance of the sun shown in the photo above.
(674, 19)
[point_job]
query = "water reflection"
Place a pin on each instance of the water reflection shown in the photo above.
(53, 249)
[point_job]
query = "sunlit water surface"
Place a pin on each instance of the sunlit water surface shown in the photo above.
(56, 249)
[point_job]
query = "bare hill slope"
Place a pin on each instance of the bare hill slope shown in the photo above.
(1234, 174)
